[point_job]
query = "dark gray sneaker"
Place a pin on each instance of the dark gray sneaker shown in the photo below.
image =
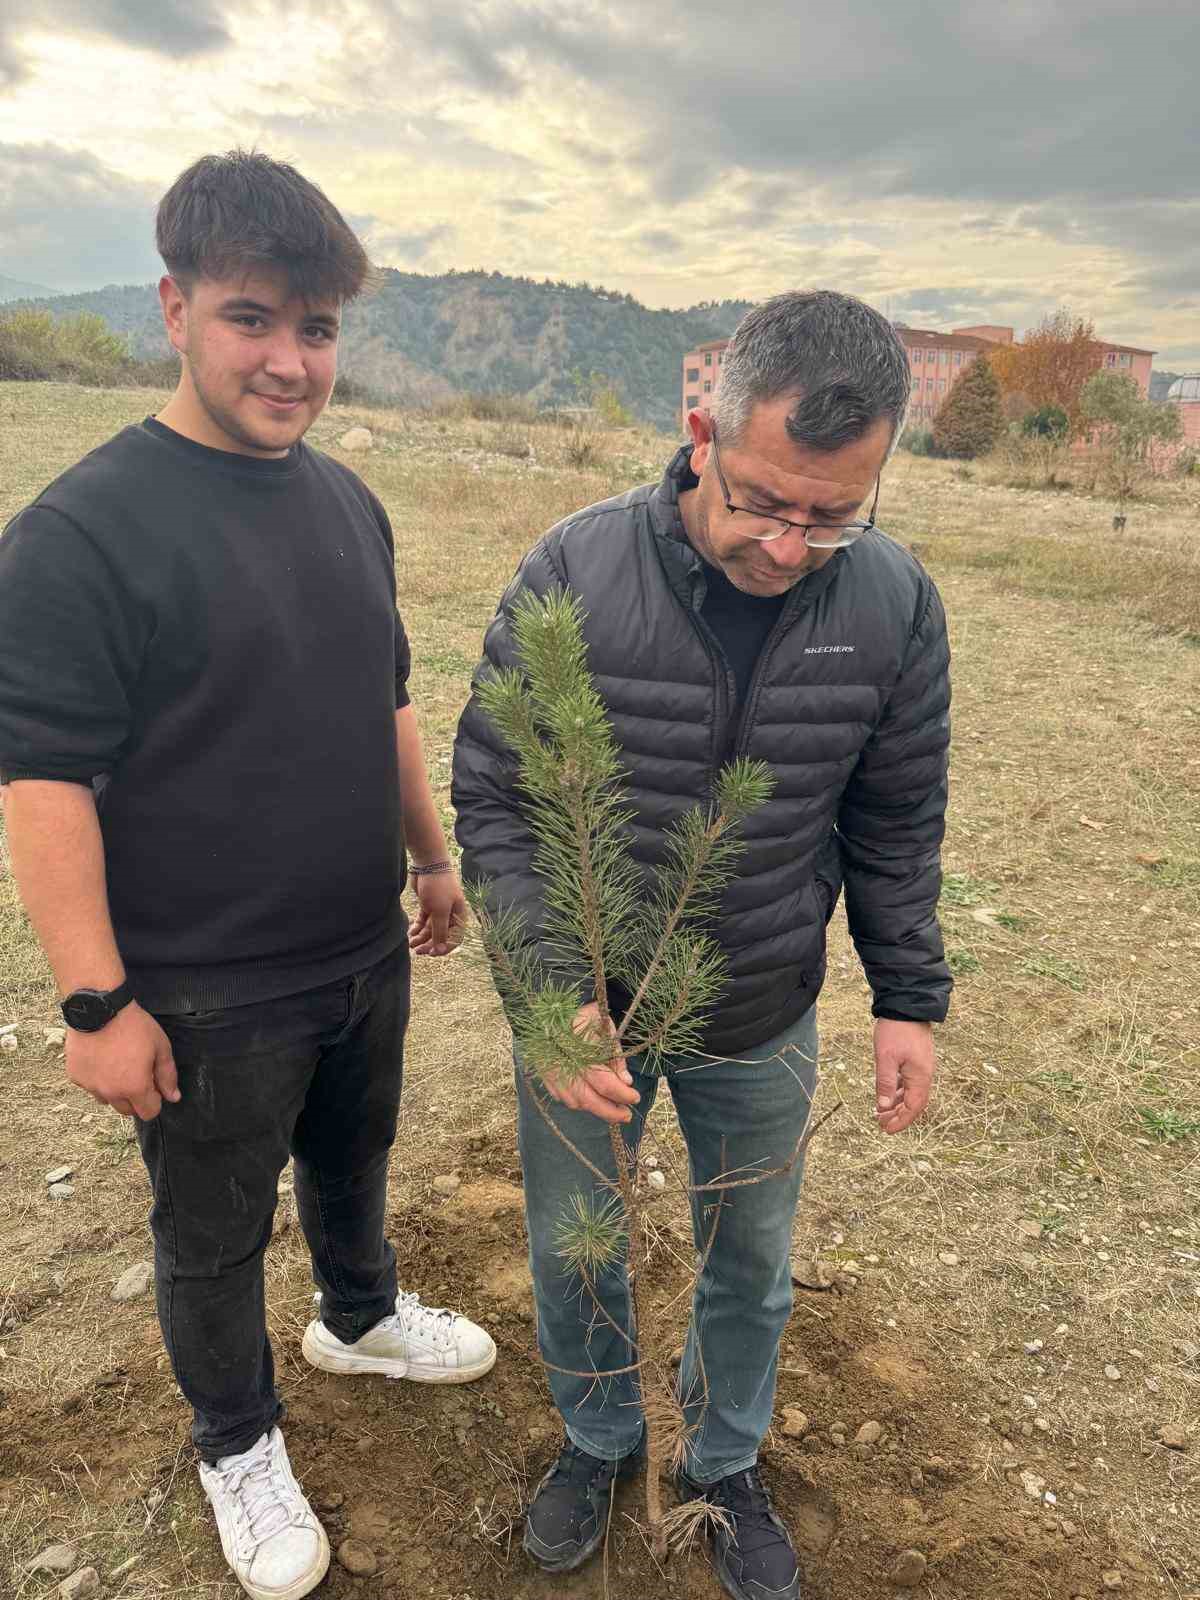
(754, 1557)
(568, 1516)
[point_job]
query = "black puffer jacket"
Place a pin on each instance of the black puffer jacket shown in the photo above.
(849, 705)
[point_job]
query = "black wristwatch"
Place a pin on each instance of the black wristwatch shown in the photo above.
(89, 1010)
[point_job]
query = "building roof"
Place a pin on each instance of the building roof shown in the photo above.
(945, 341)
(1185, 388)
(1125, 349)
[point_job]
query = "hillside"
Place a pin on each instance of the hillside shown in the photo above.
(14, 289)
(422, 338)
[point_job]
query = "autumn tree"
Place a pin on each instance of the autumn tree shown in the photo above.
(970, 419)
(1050, 366)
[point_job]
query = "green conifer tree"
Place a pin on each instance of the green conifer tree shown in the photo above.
(971, 417)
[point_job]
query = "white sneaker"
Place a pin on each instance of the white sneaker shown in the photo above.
(423, 1343)
(270, 1535)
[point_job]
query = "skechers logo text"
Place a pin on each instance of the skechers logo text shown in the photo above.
(828, 649)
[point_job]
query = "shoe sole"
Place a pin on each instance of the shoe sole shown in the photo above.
(319, 1355)
(302, 1586)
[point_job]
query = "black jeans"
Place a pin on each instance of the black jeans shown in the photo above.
(315, 1076)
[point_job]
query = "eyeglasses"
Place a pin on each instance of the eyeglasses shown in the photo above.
(817, 535)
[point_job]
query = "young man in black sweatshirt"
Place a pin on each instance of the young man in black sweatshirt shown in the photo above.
(212, 770)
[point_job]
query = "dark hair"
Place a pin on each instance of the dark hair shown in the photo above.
(232, 213)
(842, 360)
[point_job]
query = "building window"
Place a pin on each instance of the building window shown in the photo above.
(958, 358)
(945, 358)
(692, 401)
(1110, 359)
(941, 385)
(693, 374)
(708, 358)
(707, 387)
(720, 358)
(1125, 358)
(931, 356)
(929, 383)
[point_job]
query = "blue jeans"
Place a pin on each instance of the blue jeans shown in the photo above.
(758, 1105)
(315, 1076)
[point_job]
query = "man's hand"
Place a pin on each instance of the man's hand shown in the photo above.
(605, 1090)
(904, 1068)
(128, 1064)
(440, 922)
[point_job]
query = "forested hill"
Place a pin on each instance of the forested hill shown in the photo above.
(16, 289)
(422, 338)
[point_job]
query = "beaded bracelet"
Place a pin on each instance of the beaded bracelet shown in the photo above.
(434, 866)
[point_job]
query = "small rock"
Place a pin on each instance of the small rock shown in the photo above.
(870, 1433)
(54, 1558)
(1031, 1230)
(81, 1585)
(326, 1502)
(1032, 1484)
(1173, 1436)
(677, 1355)
(916, 1480)
(1112, 1373)
(133, 1281)
(357, 1558)
(795, 1423)
(60, 1174)
(923, 1167)
(1112, 1579)
(948, 1258)
(449, 1183)
(656, 1180)
(1067, 1528)
(909, 1569)
(61, 1191)
(357, 439)
(55, 1036)
(1033, 1346)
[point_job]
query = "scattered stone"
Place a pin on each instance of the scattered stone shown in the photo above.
(55, 1036)
(60, 1174)
(656, 1179)
(1112, 1373)
(677, 1355)
(1031, 1230)
(134, 1281)
(1112, 1579)
(948, 1258)
(916, 1480)
(8, 1041)
(81, 1585)
(1067, 1528)
(1173, 1436)
(909, 1569)
(795, 1423)
(870, 1433)
(1032, 1484)
(357, 439)
(924, 1167)
(358, 1559)
(54, 1558)
(118, 1573)
(449, 1183)
(61, 1191)
(1033, 1347)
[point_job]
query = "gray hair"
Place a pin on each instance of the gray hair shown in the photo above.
(842, 360)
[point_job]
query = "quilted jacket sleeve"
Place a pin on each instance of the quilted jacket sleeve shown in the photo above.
(497, 844)
(890, 827)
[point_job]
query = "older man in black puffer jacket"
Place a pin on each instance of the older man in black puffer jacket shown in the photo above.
(739, 607)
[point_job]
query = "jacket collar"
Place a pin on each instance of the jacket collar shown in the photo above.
(684, 568)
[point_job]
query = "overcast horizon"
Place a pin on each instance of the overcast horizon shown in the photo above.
(952, 164)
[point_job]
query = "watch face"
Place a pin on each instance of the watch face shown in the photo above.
(87, 1010)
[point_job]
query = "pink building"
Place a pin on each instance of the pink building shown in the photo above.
(936, 360)
(1185, 393)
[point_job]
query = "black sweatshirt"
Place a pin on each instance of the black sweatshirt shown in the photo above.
(211, 641)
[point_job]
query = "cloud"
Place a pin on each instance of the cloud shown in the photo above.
(413, 246)
(659, 241)
(67, 219)
(170, 27)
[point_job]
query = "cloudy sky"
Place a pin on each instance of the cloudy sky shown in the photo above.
(984, 160)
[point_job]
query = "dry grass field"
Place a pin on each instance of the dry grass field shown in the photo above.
(1012, 1290)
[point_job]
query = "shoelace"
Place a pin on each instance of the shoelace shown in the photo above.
(746, 1499)
(576, 1466)
(260, 1494)
(429, 1322)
